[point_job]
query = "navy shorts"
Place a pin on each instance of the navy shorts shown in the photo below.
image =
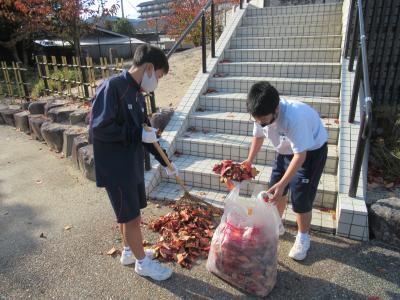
(304, 185)
(127, 201)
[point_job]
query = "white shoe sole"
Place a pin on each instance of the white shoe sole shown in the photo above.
(162, 278)
(149, 253)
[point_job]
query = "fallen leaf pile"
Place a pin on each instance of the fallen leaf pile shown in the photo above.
(186, 233)
(229, 170)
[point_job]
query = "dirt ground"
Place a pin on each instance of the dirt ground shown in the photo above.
(184, 67)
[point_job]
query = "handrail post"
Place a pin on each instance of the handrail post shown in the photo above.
(203, 42)
(356, 89)
(358, 158)
(212, 29)
(353, 47)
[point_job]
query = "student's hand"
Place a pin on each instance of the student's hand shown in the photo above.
(149, 136)
(276, 191)
(173, 172)
(247, 162)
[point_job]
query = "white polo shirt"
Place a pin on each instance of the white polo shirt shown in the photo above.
(297, 128)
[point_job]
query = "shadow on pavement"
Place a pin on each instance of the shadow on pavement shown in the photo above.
(20, 227)
(191, 288)
(359, 255)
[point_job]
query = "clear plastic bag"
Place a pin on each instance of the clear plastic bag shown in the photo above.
(245, 244)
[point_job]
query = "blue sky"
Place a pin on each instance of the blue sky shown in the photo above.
(129, 8)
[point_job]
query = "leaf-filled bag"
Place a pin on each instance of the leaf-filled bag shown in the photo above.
(244, 246)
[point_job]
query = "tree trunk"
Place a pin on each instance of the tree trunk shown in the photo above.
(77, 42)
(25, 53)
(14, 50)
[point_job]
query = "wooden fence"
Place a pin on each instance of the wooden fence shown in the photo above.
(55, 76)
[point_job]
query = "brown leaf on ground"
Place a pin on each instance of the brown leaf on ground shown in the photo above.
(113, 251)
(42, 236)
(39, 181)
(381, 270)
(389, 185)
(68, 227)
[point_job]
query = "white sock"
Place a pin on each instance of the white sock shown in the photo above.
(143, 261)
(303, 236)
(127, 249)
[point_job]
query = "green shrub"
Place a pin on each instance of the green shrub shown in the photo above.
(66, 74)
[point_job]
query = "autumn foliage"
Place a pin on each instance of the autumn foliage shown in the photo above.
(183, 14)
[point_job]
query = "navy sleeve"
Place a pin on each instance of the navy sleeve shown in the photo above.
(150, 147)
(104, 113)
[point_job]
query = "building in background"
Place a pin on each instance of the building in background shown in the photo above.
(154, 9)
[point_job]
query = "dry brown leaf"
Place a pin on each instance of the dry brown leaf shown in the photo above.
(68, 227)
(113, 251)
(43, 236)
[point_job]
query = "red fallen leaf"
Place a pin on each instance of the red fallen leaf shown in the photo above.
(146, 243)
(210, 91)
(374, 297)
(177, 153)
(337, 121)
(324, 209)
(219, 75)
(209, 233)
(181, 257)
(225, 61)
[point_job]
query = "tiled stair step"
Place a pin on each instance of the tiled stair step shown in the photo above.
(197, 171)
(295, 9)
(237, 147)
(284, 55)
(311, 41)
(236, 102)
(309, 29)
(282, 69)
(287, 86)
(321, 220)
(294, 19)
(240, 124)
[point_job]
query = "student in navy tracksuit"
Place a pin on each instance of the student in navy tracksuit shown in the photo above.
(118, 114)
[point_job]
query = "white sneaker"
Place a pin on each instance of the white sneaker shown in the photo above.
(153, 269)
(299, 249)
(127, 257)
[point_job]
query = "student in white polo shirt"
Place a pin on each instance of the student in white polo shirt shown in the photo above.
(298, 135)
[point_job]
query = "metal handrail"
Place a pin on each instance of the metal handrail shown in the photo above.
(200, 15)
(366, 114)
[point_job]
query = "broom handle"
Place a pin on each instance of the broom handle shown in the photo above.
(166, 160)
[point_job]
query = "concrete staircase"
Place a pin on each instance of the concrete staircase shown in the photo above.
(297, 48)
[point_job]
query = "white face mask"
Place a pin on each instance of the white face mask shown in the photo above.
(149, 84)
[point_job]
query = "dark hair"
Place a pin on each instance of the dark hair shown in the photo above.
(262, 100)
(146, 53)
